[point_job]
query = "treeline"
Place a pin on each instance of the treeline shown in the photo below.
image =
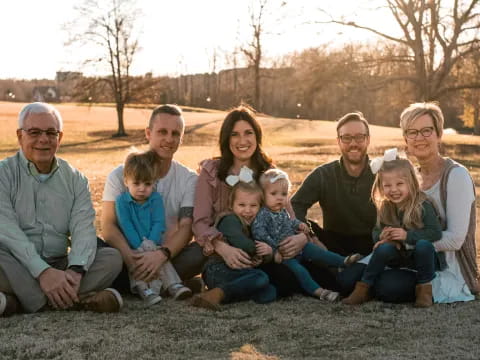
(317, 83)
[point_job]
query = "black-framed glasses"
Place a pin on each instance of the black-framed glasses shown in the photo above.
(413, 133)
(35, 132)
(347, 139)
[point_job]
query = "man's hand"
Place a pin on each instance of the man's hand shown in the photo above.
(292, 245)
(147, 265)
(57, 286)
(263, 249)
(77, 278)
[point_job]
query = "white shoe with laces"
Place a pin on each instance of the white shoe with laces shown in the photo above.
(179, 292)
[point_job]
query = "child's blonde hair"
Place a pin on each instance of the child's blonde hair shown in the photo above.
(142, 166)
(251, 188)
(271, 176)
(386, 210)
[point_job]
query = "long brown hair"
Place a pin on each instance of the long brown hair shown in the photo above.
(260, 160)
(386, 210)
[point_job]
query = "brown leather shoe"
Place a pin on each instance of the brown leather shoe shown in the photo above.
(9, 305)
(105, 301)
(210, 299)
(423, 295)
(360, 295)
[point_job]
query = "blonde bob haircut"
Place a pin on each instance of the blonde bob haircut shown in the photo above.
(416, 110)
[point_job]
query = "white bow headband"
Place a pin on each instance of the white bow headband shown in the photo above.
(388, 155)
(280, 176)
(245, 175)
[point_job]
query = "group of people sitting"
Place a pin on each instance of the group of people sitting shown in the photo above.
(390, 231)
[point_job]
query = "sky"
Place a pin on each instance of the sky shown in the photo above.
(178, 36)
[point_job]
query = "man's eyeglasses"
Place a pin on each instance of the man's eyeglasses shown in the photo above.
(34, 132)
(413, 133)
(347, 139)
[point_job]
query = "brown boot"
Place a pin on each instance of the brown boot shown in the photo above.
(210, 299)
(423, 295)
(105, 301)
(359, 295)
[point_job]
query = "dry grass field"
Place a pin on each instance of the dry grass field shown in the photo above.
(293, 328)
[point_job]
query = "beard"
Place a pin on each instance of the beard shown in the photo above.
(355, 158)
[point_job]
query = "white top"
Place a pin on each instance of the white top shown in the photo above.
(449, 284)
(177, 189)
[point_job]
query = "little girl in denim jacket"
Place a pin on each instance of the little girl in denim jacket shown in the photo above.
(273, 224)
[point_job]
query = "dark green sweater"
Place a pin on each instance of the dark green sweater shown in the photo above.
(232, 229)
(345, 200)
(431, 231)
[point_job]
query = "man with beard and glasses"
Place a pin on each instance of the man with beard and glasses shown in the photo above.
(342, 188)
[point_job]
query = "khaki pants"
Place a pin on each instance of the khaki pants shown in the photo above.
(16, 279)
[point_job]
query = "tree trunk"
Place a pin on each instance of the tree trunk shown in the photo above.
(121, 127)
(476, 118)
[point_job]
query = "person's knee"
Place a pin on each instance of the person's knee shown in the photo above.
(112, 258)
(424, 247)
(258, 278)
(386, 250)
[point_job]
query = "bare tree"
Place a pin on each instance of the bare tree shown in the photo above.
(253, 50)
(109, 28)
(437, 36)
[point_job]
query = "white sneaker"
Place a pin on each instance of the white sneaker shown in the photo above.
(179, 292)
(150, 297)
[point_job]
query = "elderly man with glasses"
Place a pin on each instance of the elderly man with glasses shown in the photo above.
(342, 189)
(48, 256)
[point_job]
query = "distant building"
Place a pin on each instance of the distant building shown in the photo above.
(46, 94)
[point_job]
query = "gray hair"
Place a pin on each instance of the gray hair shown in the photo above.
(39, 108)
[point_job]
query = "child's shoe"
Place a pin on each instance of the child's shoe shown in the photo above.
(150, 297)
(179, 292)
(360, 295)
(423, 294)
(352, 259)
(210, 299)
(328, 295)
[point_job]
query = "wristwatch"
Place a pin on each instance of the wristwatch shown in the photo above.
(78, 269)
(166, 251)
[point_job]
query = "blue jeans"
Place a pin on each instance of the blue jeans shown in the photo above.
(240, 284)
(302, 275)
(318, 256)
(387, 254)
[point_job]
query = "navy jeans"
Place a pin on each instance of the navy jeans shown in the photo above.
(387, 254)
(240, 284)
(395, 285)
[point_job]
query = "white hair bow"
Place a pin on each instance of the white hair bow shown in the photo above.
(388, 155)
(278, 177)
(245, 175)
